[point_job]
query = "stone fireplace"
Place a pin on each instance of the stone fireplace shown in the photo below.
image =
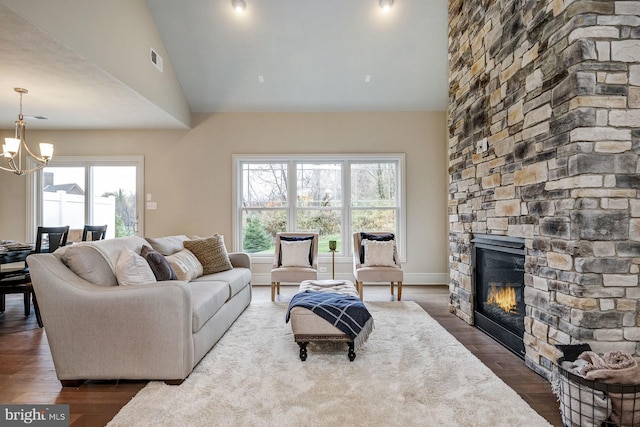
(544, 142)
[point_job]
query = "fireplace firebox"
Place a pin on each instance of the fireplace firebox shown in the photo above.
(499, 307)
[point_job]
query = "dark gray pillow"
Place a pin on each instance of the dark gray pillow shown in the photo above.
(159, 265)
(297, 239)
(379, 237)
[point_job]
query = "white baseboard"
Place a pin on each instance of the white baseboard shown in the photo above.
(409, 278)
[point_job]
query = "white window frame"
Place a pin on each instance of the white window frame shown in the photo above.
(347, 159)
(35, 180)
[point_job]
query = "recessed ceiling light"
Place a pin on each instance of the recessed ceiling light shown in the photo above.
(239, 5)
(385, 5)
(260, 78)
(367, 78)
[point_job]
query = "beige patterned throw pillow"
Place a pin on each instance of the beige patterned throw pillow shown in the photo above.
(185, 265)
(211, 253)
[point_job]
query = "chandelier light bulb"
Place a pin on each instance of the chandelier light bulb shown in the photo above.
(46, 150)
(239, 5)
(385, 5)
(11, 145)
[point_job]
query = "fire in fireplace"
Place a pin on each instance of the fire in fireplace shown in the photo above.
(499, 289)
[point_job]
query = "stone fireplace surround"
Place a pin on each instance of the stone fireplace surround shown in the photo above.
(544, 144)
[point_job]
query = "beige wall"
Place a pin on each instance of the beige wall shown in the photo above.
(189, 172)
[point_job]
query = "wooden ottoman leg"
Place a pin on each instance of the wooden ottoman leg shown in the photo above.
(391, 288)
(352, 352)
(303, 350)
(399, 291)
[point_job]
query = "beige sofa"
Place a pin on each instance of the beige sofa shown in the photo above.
(151, 331)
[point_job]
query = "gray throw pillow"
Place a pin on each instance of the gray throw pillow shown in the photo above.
(158, 263)
(86, 262)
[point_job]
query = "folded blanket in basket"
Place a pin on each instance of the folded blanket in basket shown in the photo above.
(616, 367)
(613, 367)
(345, 312)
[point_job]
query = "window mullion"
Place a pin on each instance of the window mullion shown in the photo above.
(292, 194)
(346, 208)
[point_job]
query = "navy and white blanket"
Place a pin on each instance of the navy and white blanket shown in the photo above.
(345, 312)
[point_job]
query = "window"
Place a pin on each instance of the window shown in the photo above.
(77, 191)
(331, 195)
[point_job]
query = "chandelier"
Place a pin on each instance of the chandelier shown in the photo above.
(16, 151)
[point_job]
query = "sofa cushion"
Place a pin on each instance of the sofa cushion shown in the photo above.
(295, 254)
(86, 262)
(207, 297)
(158, 263)
(132, 269)
(237, 279)
(168, 245)
(185, 265)
(211, 252)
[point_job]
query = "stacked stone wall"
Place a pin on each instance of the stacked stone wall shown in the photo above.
(551, 89)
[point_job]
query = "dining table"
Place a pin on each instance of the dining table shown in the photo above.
(15, 279)
(13, 252)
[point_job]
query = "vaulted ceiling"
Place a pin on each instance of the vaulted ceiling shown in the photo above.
(278, 56)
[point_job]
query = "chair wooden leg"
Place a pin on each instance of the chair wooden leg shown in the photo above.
(278, 287)
(36, 309)
(399, 291)
(27, 304)
(391, 288)
(273, 291)
(359, 286)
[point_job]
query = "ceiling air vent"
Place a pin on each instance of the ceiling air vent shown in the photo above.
(156, 59)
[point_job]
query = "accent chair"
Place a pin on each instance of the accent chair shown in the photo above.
(296, 259)
(375, 259)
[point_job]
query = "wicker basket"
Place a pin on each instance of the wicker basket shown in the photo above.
(587, 403)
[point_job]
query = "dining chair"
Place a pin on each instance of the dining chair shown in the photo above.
(292, 264)
(53, 236)
(48, 239)
(16, 284)
(381, 264)
(95, 232)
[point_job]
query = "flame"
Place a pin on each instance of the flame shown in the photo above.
(503, 297)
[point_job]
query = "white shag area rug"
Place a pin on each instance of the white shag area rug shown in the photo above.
(411, 371)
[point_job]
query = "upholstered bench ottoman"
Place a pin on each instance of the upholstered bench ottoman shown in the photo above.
(308, 326)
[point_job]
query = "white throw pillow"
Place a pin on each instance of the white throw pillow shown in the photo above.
(378, 254)
(132, 269)
(296, 253)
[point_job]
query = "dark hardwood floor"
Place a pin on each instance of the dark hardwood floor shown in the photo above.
(27, 374)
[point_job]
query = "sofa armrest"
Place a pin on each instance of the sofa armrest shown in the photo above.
(135, 332)
(240, 259)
